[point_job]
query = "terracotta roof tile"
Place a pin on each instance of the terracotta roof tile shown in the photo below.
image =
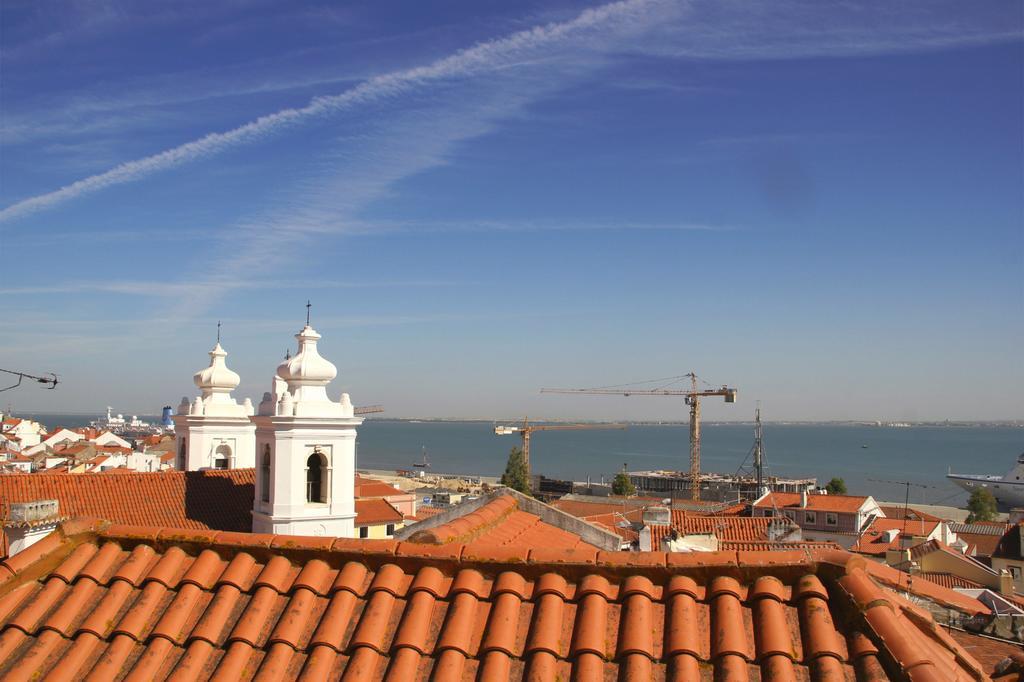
(376, 511)
(369, 488)
(114, 603)
(731, 528)
(423, 512)
(844, 504)
(949, 580)
(499, 523)
(875, 540)
(912, 514)
(220, 500)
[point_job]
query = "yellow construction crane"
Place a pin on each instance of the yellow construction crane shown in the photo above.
(526, 428)
(692, 397)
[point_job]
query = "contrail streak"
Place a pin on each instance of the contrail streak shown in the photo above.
(483, 56)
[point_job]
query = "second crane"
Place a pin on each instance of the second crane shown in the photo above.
(526, 429)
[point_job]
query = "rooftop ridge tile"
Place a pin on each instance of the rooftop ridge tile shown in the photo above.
(100, 568)
(352, 578)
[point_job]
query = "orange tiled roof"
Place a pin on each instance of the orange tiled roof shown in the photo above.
(949, 580)
(584, 509)
(144, 603)
(375, 511)
(620, 523)
(218, 499)
(874, 540)
(499, 523)
(727, 528)
(842, 504)
(736, 528)
(605, 505)
(896, 512)
(377, 489)
(802, 545)
(425, 512)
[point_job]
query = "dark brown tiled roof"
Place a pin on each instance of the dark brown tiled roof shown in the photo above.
(1008, 546)
(212, 499)
(989, 652)
(982, 537)
(136, 603)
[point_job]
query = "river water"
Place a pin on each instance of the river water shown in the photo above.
(922, 455)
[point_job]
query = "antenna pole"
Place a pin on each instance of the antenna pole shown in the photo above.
(758, 453)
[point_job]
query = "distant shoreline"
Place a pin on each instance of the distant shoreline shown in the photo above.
(447, 420)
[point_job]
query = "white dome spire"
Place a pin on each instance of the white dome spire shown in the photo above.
(307, 374)
(307, 367)
(217, 379)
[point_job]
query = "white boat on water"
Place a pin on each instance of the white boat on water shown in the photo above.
(119, 425)
(1008, 489)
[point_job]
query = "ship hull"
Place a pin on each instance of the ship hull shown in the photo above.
(1008, 493)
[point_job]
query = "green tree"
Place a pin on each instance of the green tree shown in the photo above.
(621, 485)
(516, 475)
(836, 486)
(982, 506)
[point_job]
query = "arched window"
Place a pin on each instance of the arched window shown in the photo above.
(316, 478)
(265, 474)
(222, 456)
(181, 455)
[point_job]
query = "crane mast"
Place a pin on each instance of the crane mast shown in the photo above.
(692, 398)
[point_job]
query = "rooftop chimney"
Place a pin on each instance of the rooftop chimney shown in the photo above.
(1005, 582)
(657, 516)
(803, 498)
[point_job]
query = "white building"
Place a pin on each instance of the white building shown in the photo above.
(214, 430)
(305, 445)
(19, 434)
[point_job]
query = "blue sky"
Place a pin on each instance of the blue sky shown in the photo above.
(820, 204)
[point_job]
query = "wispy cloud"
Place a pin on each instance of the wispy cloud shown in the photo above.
(794, 29)
(178, 289)
(725, 29)
(483, 57)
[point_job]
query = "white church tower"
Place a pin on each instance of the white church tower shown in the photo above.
(305, 450)
(214, 431)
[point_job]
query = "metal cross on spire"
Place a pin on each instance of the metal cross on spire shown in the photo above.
(218, 331)
(308, 306)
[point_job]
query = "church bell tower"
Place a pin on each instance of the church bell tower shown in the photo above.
(305, 449)
(214, 431)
